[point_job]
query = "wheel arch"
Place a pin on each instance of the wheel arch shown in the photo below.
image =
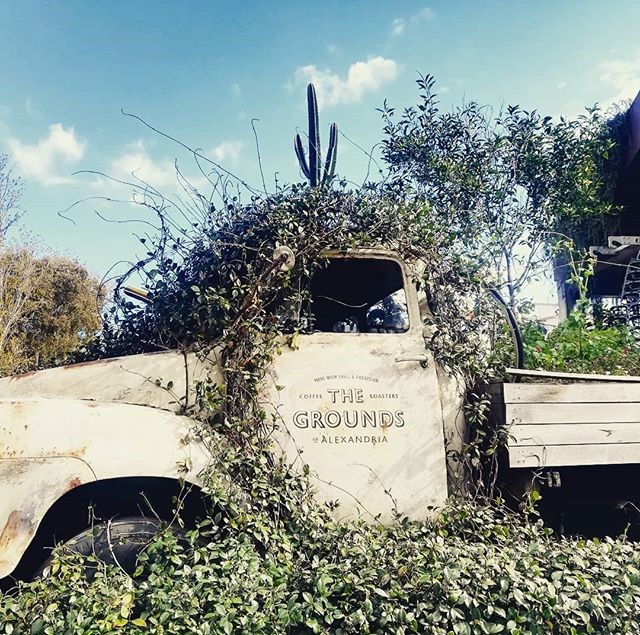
(74, 511)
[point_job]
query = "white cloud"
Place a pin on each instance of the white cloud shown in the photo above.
(561, 85)
(28, 106)
(136, 163)
(41, 160)
(425, 14)
(399, 25)
(236, 93)
(227, 151)
(622, 75)
(362, 77)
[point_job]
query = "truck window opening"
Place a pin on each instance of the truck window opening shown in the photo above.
(362, 295)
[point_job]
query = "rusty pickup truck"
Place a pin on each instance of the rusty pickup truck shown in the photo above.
(88, 447)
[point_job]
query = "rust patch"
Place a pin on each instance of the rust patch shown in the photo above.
(76, 454)
(10, 530)
(97, 363)
(14, 468)
(8, 453)
(23, 375)
(16, 524)
(73, 483)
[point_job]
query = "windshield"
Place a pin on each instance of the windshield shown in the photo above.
(359, 295)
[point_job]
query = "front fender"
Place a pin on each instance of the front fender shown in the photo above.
(29, 486)
(49, 446)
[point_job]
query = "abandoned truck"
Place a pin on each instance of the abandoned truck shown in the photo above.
(87, 450)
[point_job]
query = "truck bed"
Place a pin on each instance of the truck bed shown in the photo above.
(555, 425)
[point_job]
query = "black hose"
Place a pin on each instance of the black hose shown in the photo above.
(514, 329)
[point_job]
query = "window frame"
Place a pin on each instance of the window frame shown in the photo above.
(410, 292)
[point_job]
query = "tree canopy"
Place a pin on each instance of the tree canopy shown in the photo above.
(510, 182)
(10, 197)
(49, 307)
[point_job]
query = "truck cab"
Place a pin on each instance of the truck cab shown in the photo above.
(358, 398)
(363, 402)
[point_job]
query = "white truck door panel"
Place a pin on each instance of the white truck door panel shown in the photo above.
(364, 411)
(369, 427)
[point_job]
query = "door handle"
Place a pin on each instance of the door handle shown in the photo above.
(423, 360)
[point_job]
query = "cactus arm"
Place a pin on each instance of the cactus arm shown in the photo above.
(302, 159)
(311, 163)
(315, 167)
(332, 155)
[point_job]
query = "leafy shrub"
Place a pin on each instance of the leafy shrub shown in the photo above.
(477, 570)
(579, 345)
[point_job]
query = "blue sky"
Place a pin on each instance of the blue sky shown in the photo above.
(202, 70)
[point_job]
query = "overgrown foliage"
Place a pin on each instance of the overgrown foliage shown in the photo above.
(580, 345)
(272, 560)
(216, 282)
(506, 181)
(475, 571)
(587, 341)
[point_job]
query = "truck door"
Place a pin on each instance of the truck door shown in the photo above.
(359, 400)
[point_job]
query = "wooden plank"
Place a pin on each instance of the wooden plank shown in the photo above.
(573, 434)
(558, 456)
(604, 413)
(571, 393)
(520, 372)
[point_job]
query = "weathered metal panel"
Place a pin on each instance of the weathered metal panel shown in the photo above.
(369, 429)
(29, 487)
(48, 446)
(114, 439)
(456, 434)
(574, 434)
(548, 413)
(574, 455)
(162, 380)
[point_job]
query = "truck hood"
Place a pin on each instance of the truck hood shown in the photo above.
(164, 380)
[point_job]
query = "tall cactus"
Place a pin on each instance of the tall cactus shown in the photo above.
(313, 170)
